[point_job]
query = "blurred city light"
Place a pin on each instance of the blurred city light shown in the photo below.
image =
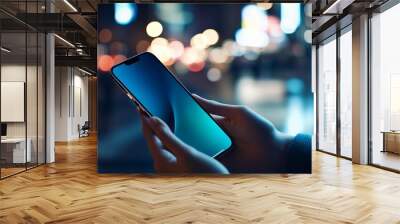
(159, 41)
(118, 59)
(218, 55)
(308, 36)
(264, 5)
(254, 27)
(274, 28)
(142, 46)
(295, 122)
(251, 55)
(174, 14)
(177, 48)
(211, 36)
(154, 29)
(251, 91)
(159, 47)
(290, 17)
(295, 86)
(233, 48)
(196, 67)
(124, 13)
(199, 41)
(214, 74)
(105, 35)
(238, 61)
(105, 62)
(254, 18)
(193, 56)
(118, 47)
(251, 38)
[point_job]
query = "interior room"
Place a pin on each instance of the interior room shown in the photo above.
(22, 103)
(56, 55)
(385, 87)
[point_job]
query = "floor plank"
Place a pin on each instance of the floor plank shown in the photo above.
(71, 191)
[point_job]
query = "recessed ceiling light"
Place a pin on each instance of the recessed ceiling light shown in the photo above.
(64, 40)
(5, 50)
(84, 71)
(70, 5)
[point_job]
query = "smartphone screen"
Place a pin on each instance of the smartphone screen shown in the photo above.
(162, 95)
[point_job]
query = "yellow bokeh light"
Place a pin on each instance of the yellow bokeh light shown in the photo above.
(159, 41)
(264, 5)
(154, 29)
(193, 55)
(211, 35)
(219, 56)
(199, 41)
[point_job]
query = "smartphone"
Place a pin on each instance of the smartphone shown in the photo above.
(152, 87)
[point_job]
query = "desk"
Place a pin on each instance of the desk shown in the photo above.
(15, 148)
(391, 141)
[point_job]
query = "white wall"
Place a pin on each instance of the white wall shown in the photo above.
(33, 126)
(12, 73)
(70, 94)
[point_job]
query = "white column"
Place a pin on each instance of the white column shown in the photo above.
(360, 90)
(50, 99)
(50, 92)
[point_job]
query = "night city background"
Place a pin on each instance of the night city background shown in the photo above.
(252, 54)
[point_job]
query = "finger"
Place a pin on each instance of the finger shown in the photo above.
(225, 123)
(169, 139)
(154, 144)
(222, 121)
(217, 108)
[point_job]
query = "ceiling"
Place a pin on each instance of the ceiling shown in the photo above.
(75, 21)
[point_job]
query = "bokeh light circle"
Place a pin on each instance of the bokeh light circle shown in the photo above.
(177, 48)
(154, 29)
(118, 59)
(214, 74)
(199, 41)
(124, 13)
(105, 62)
(196, 67)
(142, 46)
(105, 36)
(211, 35)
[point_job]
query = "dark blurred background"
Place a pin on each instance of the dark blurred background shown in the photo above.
(258, 55)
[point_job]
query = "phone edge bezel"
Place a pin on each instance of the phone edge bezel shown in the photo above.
(138, 103)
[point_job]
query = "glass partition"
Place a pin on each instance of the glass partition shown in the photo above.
(346, 94)
(22, 90)
(13, 105)
(327, 96)
(385, 89)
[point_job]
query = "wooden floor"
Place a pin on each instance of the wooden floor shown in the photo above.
(70, 191)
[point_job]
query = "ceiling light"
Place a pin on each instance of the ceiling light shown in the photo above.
(5, 50)
(337, 7)
(84, 71)
(64, 40)
(70, 5)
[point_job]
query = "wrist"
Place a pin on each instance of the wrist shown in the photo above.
(282, 144)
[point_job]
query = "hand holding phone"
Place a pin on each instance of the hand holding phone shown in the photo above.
(171, 155)
(158, 92)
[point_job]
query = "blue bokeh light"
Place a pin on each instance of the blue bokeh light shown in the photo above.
(295, 86)
(125, 13)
